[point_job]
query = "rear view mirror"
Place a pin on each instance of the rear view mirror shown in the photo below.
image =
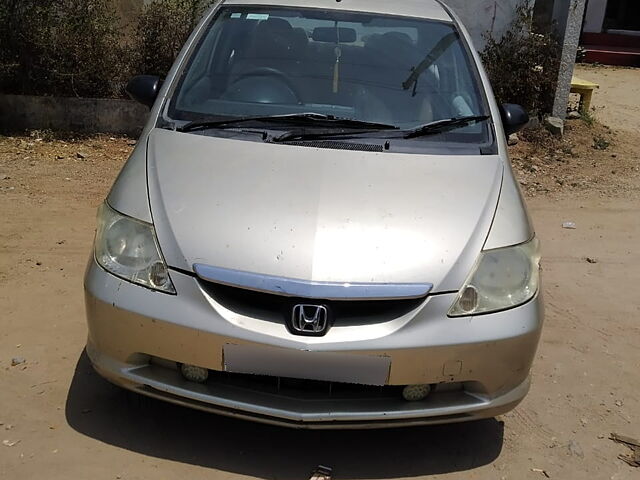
(514, 117)
(334, 35)
(144, 89)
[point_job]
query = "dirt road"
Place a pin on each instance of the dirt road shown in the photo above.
(61, 421)
(616, 101)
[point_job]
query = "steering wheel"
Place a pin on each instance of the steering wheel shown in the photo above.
(275, 74)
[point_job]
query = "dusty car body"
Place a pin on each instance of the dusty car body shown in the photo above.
(309, 234)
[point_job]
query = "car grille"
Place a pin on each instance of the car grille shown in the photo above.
(291, 387)
(302, 389)
(278, 308)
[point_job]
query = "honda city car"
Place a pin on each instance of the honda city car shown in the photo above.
(319, 226)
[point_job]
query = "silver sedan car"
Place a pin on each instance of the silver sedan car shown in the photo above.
(320, 226)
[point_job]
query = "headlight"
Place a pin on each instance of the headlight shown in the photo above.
(128, 249)
(502, 279)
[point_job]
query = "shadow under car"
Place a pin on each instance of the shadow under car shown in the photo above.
(107, 413)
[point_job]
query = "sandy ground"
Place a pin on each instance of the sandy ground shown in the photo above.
(616, 101)
(61, 421)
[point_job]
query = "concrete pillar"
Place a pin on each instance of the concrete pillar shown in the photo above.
(594, 18)
(561, 15)
(568, 59)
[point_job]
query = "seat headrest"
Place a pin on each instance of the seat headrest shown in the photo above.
(276, 38)
(395, 48)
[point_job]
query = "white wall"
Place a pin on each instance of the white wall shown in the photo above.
(594, 18)
(480, 16)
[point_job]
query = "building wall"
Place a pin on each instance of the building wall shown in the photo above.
(561, 9)
(70, 114)
(481, 16)
(594, 18)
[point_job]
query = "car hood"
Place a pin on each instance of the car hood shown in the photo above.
(321, 215)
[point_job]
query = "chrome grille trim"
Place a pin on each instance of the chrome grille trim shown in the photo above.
(290, 287)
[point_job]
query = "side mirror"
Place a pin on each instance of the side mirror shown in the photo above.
(514, 117)
(144, 89)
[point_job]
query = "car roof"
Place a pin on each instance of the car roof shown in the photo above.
(427, 9)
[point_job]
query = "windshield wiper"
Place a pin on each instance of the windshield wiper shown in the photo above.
(230, 122)
(342, 127)
(446, 125)
(307, 119)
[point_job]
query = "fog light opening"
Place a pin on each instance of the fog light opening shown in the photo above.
(469, 299)
(415, 393)
(194, 374)
(158, 275)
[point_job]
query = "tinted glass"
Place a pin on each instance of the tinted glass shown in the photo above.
(272, 61)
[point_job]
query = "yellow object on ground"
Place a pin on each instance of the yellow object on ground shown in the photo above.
(585, 89)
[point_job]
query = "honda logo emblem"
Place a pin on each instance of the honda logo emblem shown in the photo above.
(310, 320)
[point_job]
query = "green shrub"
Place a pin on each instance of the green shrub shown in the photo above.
(61, 47)
(523, 66)
(77, 48)
(588, 117)
(163, 27)
(600, 143)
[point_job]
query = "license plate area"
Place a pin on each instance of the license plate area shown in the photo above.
(323, 366)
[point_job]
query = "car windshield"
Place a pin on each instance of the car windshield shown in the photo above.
(269, 61)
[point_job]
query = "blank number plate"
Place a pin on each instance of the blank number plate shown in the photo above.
(326, 366)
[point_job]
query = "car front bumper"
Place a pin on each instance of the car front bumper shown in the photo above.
(479, 366)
